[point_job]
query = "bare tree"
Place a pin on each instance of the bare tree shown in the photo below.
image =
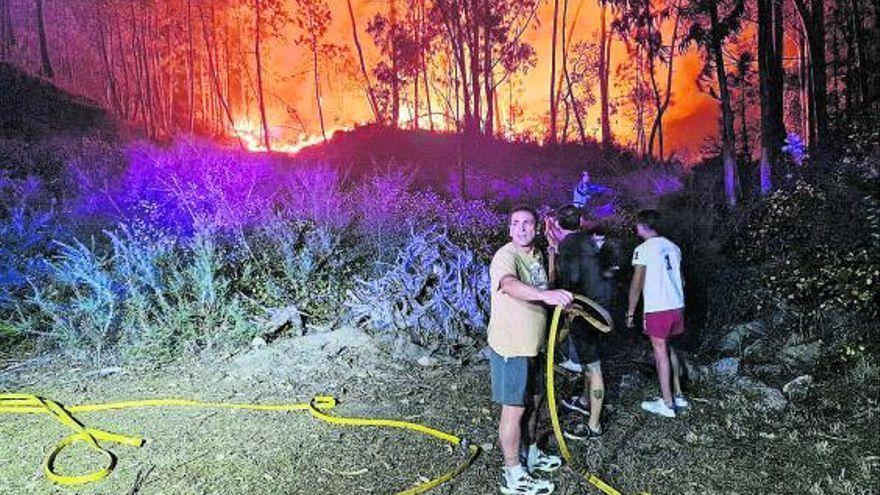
(770, 79)
(45, 64)
(7, 31)
(313, 17)
(553, 110)
(371, 97)
(259, 62)
(813, 19)
(709, 29)
(605, 38)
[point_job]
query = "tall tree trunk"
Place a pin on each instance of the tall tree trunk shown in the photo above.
(125, 90)
(488, 79)
(170, 76)
(770, 79)
(573, 101)
(7, 31)
(863, 67)
(147, 80)
(318, 87)
(427, 94)
(108, 68)
(806, 117)
(657, 126)
(371, 96)
(553, 109)
(423, 64)
(138, 71)
(395, 83)
(210, 49)
(190, 69)
(813, 18)
(744, 128)
(462, 87)
(655, 88)
(728, 145)
(604, 77)
(44, 49)
(259, 61)
(472, 35)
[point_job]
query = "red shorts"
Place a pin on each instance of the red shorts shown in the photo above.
(664, 324)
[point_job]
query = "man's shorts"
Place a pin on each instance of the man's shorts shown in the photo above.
(586, 343)
(664, 324)
(514, 379)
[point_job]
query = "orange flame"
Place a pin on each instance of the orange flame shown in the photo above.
(251, 136)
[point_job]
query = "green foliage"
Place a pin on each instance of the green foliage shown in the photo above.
(817, 242)
(299, 263)
(82, 302)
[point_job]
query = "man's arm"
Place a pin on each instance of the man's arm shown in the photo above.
(635, 291)
(515, 288)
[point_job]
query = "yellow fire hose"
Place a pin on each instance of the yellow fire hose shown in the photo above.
(555, 336)
(32, 404)
(317, 407)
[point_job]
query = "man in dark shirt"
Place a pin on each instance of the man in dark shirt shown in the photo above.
(579, 271)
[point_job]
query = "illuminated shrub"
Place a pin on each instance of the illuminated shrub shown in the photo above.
(299, 263)
(144, 293)
(27, 229)
(434, 291)
(818, 244)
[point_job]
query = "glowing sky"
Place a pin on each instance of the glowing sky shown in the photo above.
(691, 117)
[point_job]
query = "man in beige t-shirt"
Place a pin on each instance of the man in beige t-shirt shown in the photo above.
(517, 331)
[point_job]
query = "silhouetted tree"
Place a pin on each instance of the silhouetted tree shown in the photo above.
(711, 24)
(312, 19)
(45, 64)
(770, 77)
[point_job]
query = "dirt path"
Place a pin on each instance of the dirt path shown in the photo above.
(724, 445)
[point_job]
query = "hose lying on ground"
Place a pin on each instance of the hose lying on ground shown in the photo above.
(317, 407)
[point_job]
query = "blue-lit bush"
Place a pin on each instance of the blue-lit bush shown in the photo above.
(434, 291)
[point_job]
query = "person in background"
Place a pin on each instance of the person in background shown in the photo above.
(584, 190)
(517, 332)
(657, 278)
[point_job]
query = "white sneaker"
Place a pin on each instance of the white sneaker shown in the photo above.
(544, 462)
(681, 402)
(658, 407)
(572, 366)
(524, 484)
(575, 404)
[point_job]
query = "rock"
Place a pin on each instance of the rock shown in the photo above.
(406, 350)
(280, 319)
(801, 356)
(427, 361)
(757, 352)
(799, 388)
(487, 447)
(767, 398)
(697, 439)
(483, 355)
(726, 368)
(734, 340)
(112, 370)
(765, 371)
(630, 380)
(694, 371)
(258, 343)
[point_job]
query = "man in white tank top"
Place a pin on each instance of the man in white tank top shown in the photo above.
(657, 278)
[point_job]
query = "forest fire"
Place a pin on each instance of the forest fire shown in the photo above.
(251, 138)
(650, 76)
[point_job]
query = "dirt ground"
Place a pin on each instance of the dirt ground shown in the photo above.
(722, 445)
